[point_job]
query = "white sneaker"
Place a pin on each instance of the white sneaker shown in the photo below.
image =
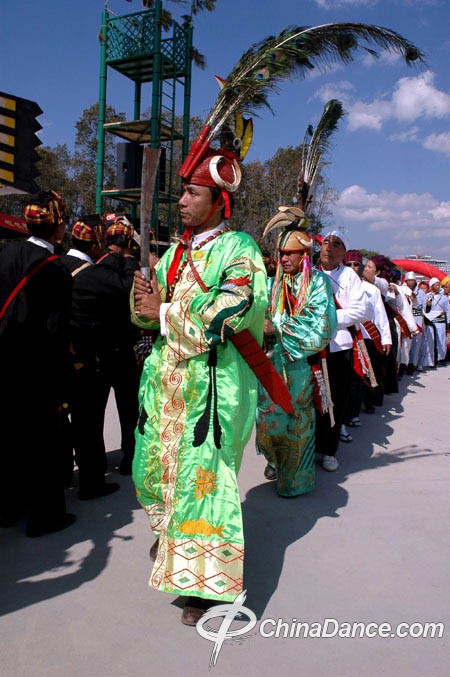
(330, 463)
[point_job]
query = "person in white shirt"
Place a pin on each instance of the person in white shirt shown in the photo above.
(445, 287)
(400, 298)
(436, 309)
(351, 310)
(418, 301)
(378, 347)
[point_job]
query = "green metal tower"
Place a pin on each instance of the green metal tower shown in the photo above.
(136, 46)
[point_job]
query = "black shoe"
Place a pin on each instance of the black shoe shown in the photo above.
(104, 489)
(370, 409)
(126, 466)
(35, 529)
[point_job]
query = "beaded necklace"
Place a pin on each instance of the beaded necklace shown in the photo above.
(183, 264)
(288, 297)
(284, 298)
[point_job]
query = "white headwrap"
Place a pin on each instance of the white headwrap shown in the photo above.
(339, 235)
(410, 276)
(433, 281)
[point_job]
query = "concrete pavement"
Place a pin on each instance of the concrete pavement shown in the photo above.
(369, 544)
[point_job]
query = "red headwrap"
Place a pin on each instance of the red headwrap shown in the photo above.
(205, 166)
(90, 228)
(120, 228)
(49, 207)
(353, 255)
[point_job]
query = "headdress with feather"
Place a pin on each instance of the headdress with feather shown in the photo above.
(296, 50)
(315, 145)
(294, 219)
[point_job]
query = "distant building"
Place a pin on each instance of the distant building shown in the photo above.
(442, 264)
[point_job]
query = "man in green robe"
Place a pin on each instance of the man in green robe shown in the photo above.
(300, 322)
(197, 394)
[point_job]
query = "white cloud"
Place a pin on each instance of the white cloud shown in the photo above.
(368, 115)
(412, 98)
(435, 142)
(438, 142)
(335, 90)
(395, 219)
(408, 135)
(411, 3)
(383, 210)
(385, 57)
(442, 212)
(417, 97)
(336, 4)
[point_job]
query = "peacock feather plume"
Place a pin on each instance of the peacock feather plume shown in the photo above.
(294, 52)
(315, 145)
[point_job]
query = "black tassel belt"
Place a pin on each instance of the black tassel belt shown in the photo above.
(203, 424)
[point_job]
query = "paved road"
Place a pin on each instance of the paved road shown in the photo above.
(370, 544)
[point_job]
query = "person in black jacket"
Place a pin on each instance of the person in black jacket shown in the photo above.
(35, 298)
(87, 244)
(103, 338)
(118, 360)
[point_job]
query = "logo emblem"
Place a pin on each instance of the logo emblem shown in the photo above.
(228, 612)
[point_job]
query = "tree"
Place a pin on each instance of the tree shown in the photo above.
(266, 186)
(55, 173)
(251, 203)
(194, 8)
(368, 253)
(84, 159)
(325, 197)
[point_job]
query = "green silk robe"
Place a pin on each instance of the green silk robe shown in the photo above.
(184, 482)
(287, 441)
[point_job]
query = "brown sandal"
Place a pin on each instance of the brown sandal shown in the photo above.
(194, 608)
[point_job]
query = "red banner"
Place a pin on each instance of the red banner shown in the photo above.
(12, 226)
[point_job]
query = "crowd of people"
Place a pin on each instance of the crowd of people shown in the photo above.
(66, 340)
(386, 328)
(338, 332)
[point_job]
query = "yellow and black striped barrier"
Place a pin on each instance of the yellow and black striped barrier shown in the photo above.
(18, 143)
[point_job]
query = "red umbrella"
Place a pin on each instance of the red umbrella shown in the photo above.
(420, 267)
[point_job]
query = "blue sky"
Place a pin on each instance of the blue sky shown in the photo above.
(390, 158)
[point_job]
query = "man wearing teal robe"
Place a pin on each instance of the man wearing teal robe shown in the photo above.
(301, 320)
